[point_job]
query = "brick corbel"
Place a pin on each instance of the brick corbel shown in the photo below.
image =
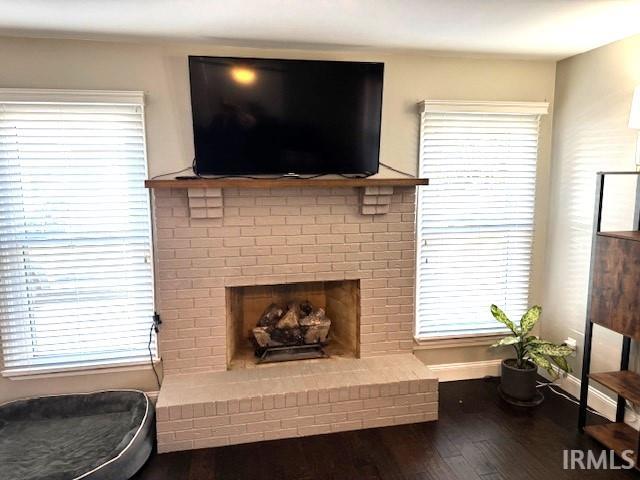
(375, 200)
(205, 202)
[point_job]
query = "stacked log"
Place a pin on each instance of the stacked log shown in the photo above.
(297, 323)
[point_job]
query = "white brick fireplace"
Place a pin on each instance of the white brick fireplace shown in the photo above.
(255, 240)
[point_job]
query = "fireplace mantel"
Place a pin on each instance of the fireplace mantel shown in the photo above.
(206, 194)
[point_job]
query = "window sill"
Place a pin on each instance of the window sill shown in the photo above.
(457, 342)
(89, 369)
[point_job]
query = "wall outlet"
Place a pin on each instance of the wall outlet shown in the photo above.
(572, 343)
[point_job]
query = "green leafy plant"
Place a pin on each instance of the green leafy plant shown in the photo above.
(530, 348)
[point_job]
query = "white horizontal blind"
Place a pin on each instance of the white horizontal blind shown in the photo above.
(475, 220)
(75, 243)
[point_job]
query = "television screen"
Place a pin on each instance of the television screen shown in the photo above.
(267, 116)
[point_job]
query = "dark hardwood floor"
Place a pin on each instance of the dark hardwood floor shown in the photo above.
(478, 437)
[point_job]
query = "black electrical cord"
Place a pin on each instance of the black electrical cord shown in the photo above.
(154, 326)
(279, 177)
(397, 171)
(171, 173)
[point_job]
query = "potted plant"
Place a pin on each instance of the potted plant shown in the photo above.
(518, 382)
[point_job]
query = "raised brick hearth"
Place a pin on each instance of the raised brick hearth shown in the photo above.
(272, 237)
(302, 398)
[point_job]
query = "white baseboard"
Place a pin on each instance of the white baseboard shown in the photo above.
(449, 372)
(598, 401)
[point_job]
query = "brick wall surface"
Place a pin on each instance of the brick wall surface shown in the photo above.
(279, 236)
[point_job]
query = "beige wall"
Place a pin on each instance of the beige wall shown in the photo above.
(161, 71)
(593, 97)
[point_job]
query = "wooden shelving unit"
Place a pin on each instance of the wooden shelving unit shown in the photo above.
(630, 235)
(613, 303)
(624, 382)
(619, 437)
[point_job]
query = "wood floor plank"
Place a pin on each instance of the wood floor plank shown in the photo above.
(492, 476)
(202, 465)
(481, 464)
(506, 465)
(461, 468)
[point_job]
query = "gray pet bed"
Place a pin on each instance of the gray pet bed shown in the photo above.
(96, 436)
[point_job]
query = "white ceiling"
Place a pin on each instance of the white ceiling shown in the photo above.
(548, 28)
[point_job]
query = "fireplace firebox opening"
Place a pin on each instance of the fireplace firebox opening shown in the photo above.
(325, 316)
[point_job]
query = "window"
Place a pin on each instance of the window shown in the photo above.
(75, 244)
(475, 220)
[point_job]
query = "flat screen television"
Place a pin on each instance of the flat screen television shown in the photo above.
(268, 116)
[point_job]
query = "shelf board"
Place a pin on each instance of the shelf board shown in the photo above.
(625, 383)
(627, 235)
(286, 182)
(616, 436)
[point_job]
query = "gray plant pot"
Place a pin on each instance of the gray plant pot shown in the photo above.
(518, 384)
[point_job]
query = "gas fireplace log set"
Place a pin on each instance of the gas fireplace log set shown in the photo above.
(297, 329)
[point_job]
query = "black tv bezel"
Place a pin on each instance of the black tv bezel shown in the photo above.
(193, 58)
